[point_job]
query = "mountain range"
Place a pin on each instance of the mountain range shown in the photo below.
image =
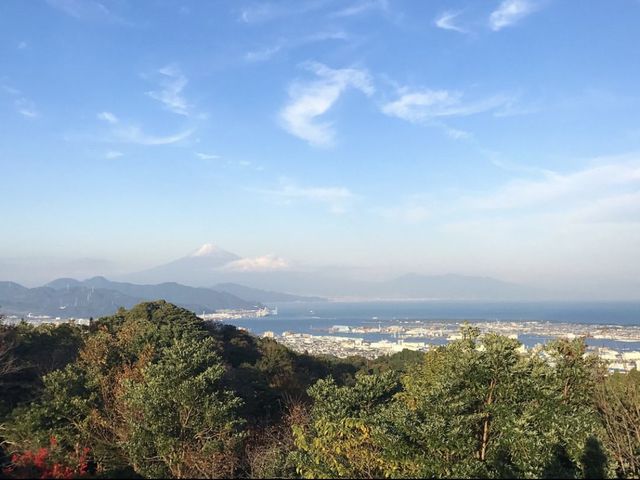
(211, 265)
(97, 296)
(211, 279)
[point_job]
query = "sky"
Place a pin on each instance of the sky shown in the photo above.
(497, 138)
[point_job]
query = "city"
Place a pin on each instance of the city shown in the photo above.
(422, 336)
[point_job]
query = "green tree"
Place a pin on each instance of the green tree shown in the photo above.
(145, 393)
(178, 420)
(346, 434)
(618, 401)
(478, 407)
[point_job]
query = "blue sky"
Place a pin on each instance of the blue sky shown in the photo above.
(498, 138)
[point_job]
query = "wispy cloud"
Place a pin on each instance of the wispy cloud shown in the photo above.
(446, 21)
(108, 117)
(207, 156)
(23, 105)
(263, 54)
(336, 198)
(422, 105)
(264, 263)
(584, 185)
(10, 90)
(90, 10)
(327, 35)
(623, 208)
(172, 82)
(362, 6)
(537, 201)
(266, 11)
(258, 13)
(310, 100)
(127, 132)
(26, 108)
(456, 133)
(134, 134)
(111, 154)
(510, 12)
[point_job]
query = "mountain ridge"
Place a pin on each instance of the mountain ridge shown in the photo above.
(96, 296)
(211, 265)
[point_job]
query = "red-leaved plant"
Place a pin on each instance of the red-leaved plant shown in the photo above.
(45, 463)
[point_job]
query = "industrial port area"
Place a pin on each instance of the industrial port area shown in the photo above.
(618, 345)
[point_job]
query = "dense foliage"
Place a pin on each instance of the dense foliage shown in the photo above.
(156, 392)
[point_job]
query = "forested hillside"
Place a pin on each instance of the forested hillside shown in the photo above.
(156, 392)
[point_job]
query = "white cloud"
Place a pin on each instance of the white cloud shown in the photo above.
(26, 108)
(134, 134)
(10, 90)
(111, 154)
(85, 10)
(108, 117)
(258, 13)
(423, 105)
(456, 133)
(446, 21)
(130, 133)
(336, 198)
(623, 208)
(23, 105)
(322, 36)
(266, 11)
(207, 156)
(172, 82)
(589, 184)
(311, 100)
(606, 191)
(264, 263)
(263, 54)
(363, 6)
(510, 12)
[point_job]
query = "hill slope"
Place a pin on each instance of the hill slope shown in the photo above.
(67, 297)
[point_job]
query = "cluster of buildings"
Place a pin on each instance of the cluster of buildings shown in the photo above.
(234, 314)
(340, 341)
(225, 314)
(346, 346)
(449, 330)
(618, 361)
(37, 319)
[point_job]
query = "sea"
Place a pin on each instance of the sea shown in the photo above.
(317, 318)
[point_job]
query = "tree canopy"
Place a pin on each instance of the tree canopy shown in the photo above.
(156, 392)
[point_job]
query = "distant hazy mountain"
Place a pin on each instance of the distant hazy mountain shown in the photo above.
(264, 296)
(211, 265)
(196, 299)
(410, 286)
(67, 297)
(200, 268)
(75, 301)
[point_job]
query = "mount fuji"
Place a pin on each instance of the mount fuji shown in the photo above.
(200, 268)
